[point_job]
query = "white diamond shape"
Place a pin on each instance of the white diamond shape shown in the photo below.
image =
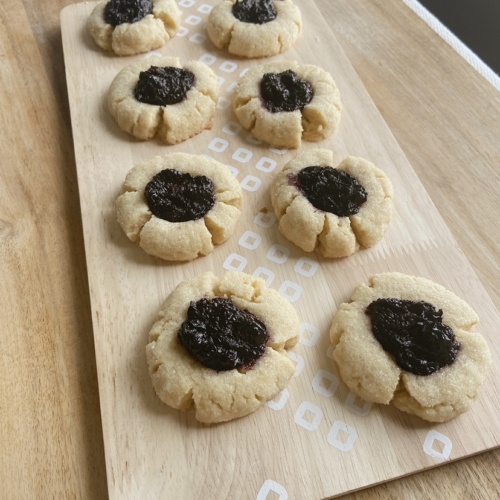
(251, 183)
(242, 155)
(266, 164)
(430, 440)
(340, 428)
(218, 145)
(207, 59)
(273, 486)
(322, 376)
(306, 407)
(250, 240)
(193, 20)
(278, 254)
(205, 8)
(235, 262)
(306, 267)
(228, 66)
(312, 338)
(290, 291)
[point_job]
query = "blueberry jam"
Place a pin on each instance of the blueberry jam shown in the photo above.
(126, 11)
(163, 86)
(222, 336)
(254, 11)
(331, 190)
(414, 333)
(178, 197)
(285, 91)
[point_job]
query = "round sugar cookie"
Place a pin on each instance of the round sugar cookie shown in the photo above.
(178, 206)
(160, 97)
(284, 102)
(219, 346)
(407, 340)
(254, 28)
(333, 210)
(128, 27)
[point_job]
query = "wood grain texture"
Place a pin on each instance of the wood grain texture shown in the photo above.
(411, 72)
(49, 410)
(417, 242)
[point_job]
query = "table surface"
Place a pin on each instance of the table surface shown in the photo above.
(50, 426)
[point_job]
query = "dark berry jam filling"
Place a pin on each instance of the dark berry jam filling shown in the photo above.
(285, 91)
(222, 336)
(414, 333)
(163, 86)
(254, 11)
(331, 190)
(126, 11)
(178, 197)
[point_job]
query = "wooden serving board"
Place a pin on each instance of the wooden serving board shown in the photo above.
(315, 440)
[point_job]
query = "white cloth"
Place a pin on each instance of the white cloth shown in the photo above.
(452, 40)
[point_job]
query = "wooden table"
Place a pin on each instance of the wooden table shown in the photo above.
(443, 114)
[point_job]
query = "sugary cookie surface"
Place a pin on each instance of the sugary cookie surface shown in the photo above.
(284, 102)
(254, 28)
(332, 210)
(160, 97)
(219, 346)
(129, 27)
(409, 341)
(178, 206)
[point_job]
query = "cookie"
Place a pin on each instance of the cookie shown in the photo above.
(410, 341)
(219, 346)
(254, 28)
(128, 27)
(159, 97)
(178, 206)
(331, 210)
(284, 102)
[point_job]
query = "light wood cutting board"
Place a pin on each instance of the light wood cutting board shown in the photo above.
(315, 440)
